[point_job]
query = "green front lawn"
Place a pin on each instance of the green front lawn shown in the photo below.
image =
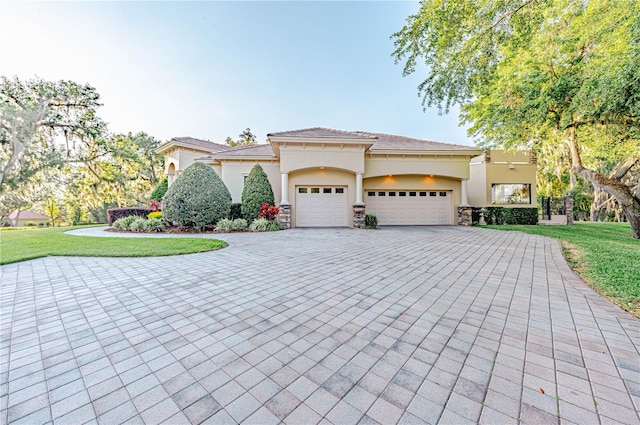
(26, 244)
(603, 254)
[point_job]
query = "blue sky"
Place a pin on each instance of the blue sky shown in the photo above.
(211, 69)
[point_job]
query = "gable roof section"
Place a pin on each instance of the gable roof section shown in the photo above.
(320, 132)
(193, 143)
(261, 151)
(390, 142)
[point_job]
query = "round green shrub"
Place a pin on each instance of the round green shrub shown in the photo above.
(197, 198)
(160, 190)
(257, 190)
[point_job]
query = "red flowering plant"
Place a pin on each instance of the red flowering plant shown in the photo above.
(155, 205)
(270, 212)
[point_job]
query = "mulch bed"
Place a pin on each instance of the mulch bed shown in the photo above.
(178, 230)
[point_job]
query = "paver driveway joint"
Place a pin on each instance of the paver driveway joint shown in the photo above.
(407, 325)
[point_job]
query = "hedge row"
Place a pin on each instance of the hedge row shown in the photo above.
(501, 215)
(114, 214)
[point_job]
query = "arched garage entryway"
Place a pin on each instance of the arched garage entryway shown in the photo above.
(323, 197)
(411, 199)
(321, 206)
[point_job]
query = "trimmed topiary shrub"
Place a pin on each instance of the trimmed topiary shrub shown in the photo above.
(198, 198)
(520, 216)
(257, 191)
(235, 211)
(160, 190)
(114, 214)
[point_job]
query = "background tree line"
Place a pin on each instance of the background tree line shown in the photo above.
(58, 157)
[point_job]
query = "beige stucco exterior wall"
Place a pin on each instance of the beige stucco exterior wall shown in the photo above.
(298, 157)
(318, 177)
(505, 167)
(233, 172)
(181, 158)
(477, 185)
(380, 165)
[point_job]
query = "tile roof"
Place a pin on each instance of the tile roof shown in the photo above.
(391, 142)
(321, 132)
(383, 142)
(211, 146)
(28, 215)
(247, 150)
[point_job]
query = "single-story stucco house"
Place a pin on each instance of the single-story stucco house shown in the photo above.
(24, 217)
(323, 177)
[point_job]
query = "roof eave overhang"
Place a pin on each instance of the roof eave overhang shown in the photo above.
(247, 157)
(207, 160)
(320, 140)
(175, 144)
(465, 153)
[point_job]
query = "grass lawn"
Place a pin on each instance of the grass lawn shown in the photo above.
(26, 244)
(603, 254)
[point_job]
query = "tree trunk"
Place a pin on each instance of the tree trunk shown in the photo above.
(18, 211)
(620, 191)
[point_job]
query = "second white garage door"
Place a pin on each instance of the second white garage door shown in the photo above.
(321, 206)
(403, 207)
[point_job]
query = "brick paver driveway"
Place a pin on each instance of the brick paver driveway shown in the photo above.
(411, 325)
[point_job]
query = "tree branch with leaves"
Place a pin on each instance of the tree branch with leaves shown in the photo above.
(43, 124)
(538, 74)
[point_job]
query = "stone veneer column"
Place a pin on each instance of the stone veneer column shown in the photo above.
(358, 215)
(568, 209)
(464, 216)
(284, 215)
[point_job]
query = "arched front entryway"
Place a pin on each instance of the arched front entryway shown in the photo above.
(171, 173)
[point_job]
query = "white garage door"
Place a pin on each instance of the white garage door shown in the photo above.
(394, 207)
(321, 206)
